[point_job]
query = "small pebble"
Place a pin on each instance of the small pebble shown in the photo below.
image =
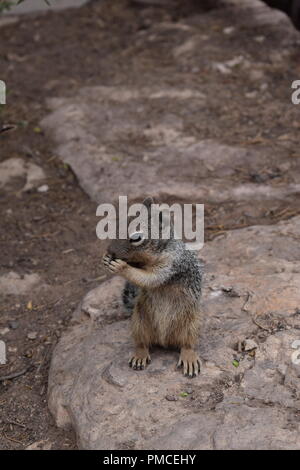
(250, 344)
(43, 189)
(259, 39)
(3, 331)
(32, 335)
(251, 94)
(229, 30)
(13, 324)
(171, 398)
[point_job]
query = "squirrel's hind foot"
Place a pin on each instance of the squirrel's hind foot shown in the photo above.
(190, 362)
(140, 359)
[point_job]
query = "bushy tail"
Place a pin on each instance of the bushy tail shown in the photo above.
(129, 296)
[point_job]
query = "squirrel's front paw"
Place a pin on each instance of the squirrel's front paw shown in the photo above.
(114, 265)
(190, 362)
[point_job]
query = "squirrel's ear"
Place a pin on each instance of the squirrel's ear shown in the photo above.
(148, 202)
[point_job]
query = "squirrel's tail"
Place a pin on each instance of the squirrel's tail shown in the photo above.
(129, 296)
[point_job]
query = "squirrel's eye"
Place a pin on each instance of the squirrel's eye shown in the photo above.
(136, 238)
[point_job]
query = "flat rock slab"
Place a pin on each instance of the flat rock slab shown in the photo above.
(242, 399)
(176, 116)
(144, 131)
(259, 13)
(160, 158)
(32, 6)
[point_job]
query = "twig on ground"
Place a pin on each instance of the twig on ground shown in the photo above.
(14, 374)
(12, 439)
(244, 309)
(259, 325)
(16, 424)
(48, 349)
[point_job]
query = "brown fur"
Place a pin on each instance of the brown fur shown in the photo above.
(166, 310)
(159, 318)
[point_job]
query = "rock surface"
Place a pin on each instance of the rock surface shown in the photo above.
(170, 124)
(144, 167)
(13, 284)
(251, 292)
(146, 135)
(32, 6)
(17, 168)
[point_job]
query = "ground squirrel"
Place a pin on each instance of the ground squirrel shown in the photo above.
(163, 291)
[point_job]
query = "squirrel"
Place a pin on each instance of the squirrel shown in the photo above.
(163, 291)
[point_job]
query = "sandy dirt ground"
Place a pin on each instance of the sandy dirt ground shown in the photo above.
(52, 233)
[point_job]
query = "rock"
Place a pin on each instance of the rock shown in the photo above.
(149, 137)
(229, 30)
(8, 20)
(259, 39)
(225, 67)
(13, 284)
(167, 144)
(153, 2)
(14, 324)
(252, 428)
(32, 335)
(257, 13)
(4, 331)
(92, 389)
(43, 189)
(250, 344)
(256, 75)
(185, 48)
(3, 359)
(274, 379)
(18, 168)
(155, 150)
(194, 431)
(31, 6)
(171, 398)
(102, 305)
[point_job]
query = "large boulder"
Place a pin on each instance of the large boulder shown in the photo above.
(188, 112)
(247, 395)
(198, 116)
(134, 157)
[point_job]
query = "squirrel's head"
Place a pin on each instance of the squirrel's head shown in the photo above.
(147, 236)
